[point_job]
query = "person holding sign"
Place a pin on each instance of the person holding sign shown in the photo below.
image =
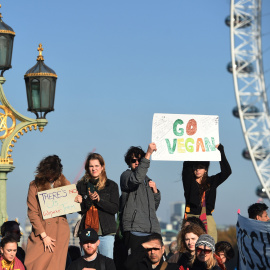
(200, 189)
(99, 198)
(48, 242)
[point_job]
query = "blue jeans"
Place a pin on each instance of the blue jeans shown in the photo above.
(106, 245)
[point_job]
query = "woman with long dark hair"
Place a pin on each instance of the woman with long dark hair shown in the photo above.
(200, 189)
(99, 198)
(48, 242)
(8, 249)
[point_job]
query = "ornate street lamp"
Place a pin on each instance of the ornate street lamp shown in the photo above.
(40, 81)
(6, 45)
(40, 87)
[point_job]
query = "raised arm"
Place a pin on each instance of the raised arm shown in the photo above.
(129, 179)
(187, 176)
(224, 167)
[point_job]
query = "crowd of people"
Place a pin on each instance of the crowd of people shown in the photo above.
(133, 239)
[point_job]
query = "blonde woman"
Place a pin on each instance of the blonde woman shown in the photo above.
(99, 198)
(204, 250)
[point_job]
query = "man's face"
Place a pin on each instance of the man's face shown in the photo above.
(90, 248)
(134, 162)
(156, 252)
(264, 217)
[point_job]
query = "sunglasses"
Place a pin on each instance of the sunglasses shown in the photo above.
(206, 251)
(133, 160)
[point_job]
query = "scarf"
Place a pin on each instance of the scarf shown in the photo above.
(203, 216)
(7, 265)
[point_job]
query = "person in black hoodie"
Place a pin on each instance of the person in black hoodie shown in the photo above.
(200, 189)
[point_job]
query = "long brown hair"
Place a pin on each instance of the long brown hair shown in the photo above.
(103, 176)
(49, 168)
(192, 228)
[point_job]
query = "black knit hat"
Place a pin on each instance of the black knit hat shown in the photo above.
(206, 240)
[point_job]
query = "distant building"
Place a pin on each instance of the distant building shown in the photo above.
(177, 214)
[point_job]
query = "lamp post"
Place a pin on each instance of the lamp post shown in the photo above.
(40, 83)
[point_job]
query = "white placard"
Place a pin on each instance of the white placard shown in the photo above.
(253, 240)
(58, 201)
(185, 137)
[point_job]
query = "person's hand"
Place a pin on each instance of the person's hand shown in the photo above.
(94, 196)
(48, 243)
(150, 244)
(151, 148)
(217, 145)
(78, 199)
(152, 185)
(89, 268)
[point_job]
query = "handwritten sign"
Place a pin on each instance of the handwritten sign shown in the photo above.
(58, 201)
(185, 137)
(253, 243)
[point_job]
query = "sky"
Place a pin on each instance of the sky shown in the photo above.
(119, 62)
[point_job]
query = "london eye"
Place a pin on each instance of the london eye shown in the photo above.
(247, 70)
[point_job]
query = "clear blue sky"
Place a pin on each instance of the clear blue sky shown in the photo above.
(118, 63)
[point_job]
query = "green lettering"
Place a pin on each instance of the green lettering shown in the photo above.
(171, 149)
(209, 145)
(189, 148)
(179, 132)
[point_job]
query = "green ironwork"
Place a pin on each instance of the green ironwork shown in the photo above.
(22, 125)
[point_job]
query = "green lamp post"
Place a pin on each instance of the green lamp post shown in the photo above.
(40, 83)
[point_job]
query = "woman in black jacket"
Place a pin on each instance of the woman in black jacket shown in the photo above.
(99, 198)
(200, 189)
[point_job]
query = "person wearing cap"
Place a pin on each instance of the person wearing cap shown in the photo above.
(140, 198)
(89, 242)
(200, 189)
(204, 259)
(149, 255)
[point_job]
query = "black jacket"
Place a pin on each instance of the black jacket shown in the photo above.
(107, 206)
(191, 187)
(202, 266)
(81, 263)
(138, 260)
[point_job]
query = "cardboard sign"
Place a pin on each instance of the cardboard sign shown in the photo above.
(185, 137)
(253, 243)
(58, 201)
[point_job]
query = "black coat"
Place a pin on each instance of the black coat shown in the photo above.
(138, 260)
(107, 206)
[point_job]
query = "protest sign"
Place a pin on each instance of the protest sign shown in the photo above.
(185, 137)
(58, 201)
(253, 240)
